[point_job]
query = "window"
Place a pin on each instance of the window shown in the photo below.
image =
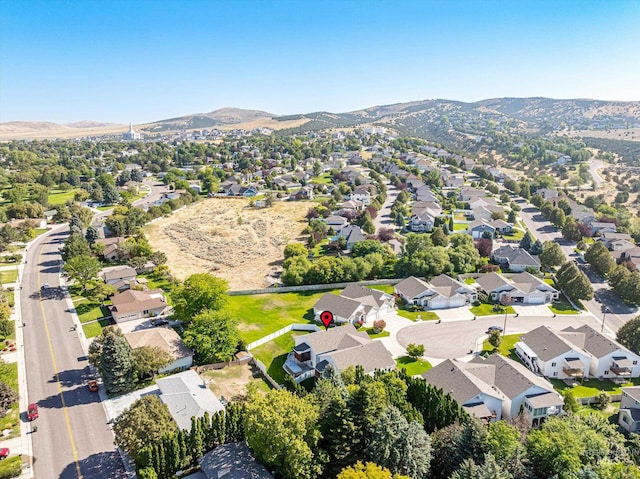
(553, 365)
(635, 362)
(625, 419)
(606, 373)
(555, 374)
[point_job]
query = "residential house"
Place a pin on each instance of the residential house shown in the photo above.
(121, 277)
(111, 247)
(341, 347)
(629, 415)
(616, 241)
(441, 292)
(232, 461)
(521, 288)
(352, 234)
(424, 193)
(361, 194)
(421, 222)
(468, 193)
(304, 193)
(355, 304)
(598, 227)
(478, 228)
(187, 396)
(336, 222)
(515, 259)
(131, 305)
(166, 339)
(547, 193)
(551, 354)
(455, 181)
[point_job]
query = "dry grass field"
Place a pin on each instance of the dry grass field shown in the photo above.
(225, 237)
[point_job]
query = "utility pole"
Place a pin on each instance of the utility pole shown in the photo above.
(604, 315)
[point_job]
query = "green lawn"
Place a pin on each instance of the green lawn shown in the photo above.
(90, 310)
(60, 197)
(515, 234)
(413, 366)
(322, 180)
(372, 335)
(9, 375)
(413, 315)
(486, 309)
(507, 346)
(320, 249)
(469, 280)
(385, 288)
(263, 314)
(10, 295)
(591, 387)
(163, 284)
(459, 226)
(8, 276)
(105, 208)
(11, 467)
(40, 231)
(274, 354)
(563, 307)
(94, 329)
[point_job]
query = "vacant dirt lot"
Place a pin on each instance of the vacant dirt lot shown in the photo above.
(227, 238)
(233, 383)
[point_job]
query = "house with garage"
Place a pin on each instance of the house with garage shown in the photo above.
(469, 193)
(355, 304)
(166, 339)
(477, 228)
(131, 305)
(553, 355)
(439, 293)
(515, 259)
(421, 222)
(361, 194)
(340, 347)
(304, 193)
(521, 288)
(336, 222)
(121, 277)
(352, 234)
(629, 415)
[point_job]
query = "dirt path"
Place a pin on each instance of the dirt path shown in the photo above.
(225, 237)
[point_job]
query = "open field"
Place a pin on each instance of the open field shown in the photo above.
(28, 130)
(60, 197)
(235, 382)
(225, 237)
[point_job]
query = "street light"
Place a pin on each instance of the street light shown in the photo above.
(505, 300)
(604, 315)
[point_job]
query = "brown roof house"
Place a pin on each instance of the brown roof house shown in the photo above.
(441, 292)
(355, 304)
(166, 339)
(131, 305)
(121, 277)
(340, 346)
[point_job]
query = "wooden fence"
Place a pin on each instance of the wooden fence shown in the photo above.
(313, 287)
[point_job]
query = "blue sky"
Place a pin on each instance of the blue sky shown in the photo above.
(116, 60)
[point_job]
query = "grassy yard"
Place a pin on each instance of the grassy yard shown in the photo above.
(470, 281)
(372, 335)
(591, 387)
(94, 329)
(263, 314)
(60, 197)
(459, 226)
(163, 284)
(486, 309)
(507, 346)
(8, 276)
(320, 249)
(515, 235)
(385, 288)
(274, 354)
(418, 315)
(322, 180)
(413, 366)
(90, 310)
(563, 307)
(9, 375)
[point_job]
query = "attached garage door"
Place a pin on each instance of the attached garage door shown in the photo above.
(536, 298)
(457, 302)
(438, 303)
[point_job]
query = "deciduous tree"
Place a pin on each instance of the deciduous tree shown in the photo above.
(199, 291)
(148, 360)
(82, 269)
(213, 335)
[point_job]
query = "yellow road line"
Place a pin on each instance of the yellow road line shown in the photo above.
(55, 369)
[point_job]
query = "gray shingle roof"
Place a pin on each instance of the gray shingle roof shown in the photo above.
(338, 305)
(546, 400)
(633, 392)
(232, 461)
(325, 341)
(492, 281)
(595, 342)
(355, 291)
(411, 287)
(546, 343)
(371, 356)
(527, 282)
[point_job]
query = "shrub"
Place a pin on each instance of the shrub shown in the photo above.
(11, 467)
(602, 400)
(415, 350)
(379, 325)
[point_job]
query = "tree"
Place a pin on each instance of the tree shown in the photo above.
(504, 443)
(573, 282)
(158, 258)
(600, 259)
(552, 255)
(8, 397)
(213, 335)
(570, 230)
(628, 288)
(571, 404)
(438, 238)
(415, 350)
(367, 224)
(75, 245)
(336, 426)
(526, 241)
(269, 199)
(295, 249)
(495, 339)
(199, 291)
(489, 469)
(629, 334)
(370, 470)
(102, 291)
(536, 247)
(146, 422)
(91, 235)
(282, 431)
(484, 247)
(82, 269)
(402, 447)
(116, 364)
(148, 360)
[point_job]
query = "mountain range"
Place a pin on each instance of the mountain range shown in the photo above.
(439, 120)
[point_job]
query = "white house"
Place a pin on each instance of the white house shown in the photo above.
(355, 304)
(118, 276)
(441, 292)
(521, 288)
(629, 415)
(131, 305)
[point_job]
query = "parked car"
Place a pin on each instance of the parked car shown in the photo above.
(32, 412)
(494, 328)
(4, 453)
(93, 385)
(45, 286)
(159, 322)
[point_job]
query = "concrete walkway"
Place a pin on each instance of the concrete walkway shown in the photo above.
(395, 323)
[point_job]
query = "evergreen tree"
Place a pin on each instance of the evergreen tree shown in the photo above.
(536, 247)
(234, 422)
(526, 242)
(91, 235)
(116, 364)
(438, 238)
(196, 440)
(338, 434)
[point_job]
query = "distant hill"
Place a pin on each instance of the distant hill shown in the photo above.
(221, 117)
(27, 130)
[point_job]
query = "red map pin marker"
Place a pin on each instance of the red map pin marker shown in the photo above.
(327, 318)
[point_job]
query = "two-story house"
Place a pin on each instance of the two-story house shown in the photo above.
(629, 415)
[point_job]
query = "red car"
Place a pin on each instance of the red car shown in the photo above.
(4, 453)
(32, 412)
(93, 386)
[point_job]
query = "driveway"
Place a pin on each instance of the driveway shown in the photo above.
(116, 405)
(533, 310)
(395, 323)
(454, 314)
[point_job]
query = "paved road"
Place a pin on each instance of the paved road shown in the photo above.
(157, 190)
(455, 339)
(384, 219)
(594, 166)
(73, 439)
(617, 313)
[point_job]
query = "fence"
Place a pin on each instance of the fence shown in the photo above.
(593, 399)
(264, 372)
(214, 366)
(280, 332)
(313, 287)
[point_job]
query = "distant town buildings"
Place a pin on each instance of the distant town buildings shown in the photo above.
(131, 135)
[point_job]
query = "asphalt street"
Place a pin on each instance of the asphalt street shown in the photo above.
(384, 218)
(456, 339)
(73, 439)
